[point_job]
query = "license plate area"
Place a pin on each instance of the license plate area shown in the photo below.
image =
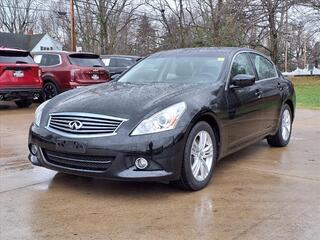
(63, 145)
(18, 74)
(95, 77)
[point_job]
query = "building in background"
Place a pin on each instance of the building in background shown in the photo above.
(30, 42)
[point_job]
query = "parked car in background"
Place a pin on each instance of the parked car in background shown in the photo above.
(171, 117)
(117, 64)
(20, 77)
(62, 71)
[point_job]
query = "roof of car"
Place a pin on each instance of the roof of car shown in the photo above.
(64, 52)
(11, 49)
(204, 50)
(120, 56)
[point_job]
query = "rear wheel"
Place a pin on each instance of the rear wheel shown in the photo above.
(282, 137)
(200, 157)
(24, 103)
(50, 90)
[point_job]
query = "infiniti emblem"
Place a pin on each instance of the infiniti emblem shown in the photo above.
(75, 125)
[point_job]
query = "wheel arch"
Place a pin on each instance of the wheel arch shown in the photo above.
(46, 79)
(290, 103)
(210, 118)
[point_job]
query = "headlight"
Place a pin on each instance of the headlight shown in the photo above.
(38, 113)
(162, 121)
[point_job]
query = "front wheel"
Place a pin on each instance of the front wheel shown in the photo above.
(282, 137)
(200, 157)
(50, 90)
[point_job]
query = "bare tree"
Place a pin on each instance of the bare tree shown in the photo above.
(146, 39)
(16, 16)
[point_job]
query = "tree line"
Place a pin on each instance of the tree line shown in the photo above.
(279, 28)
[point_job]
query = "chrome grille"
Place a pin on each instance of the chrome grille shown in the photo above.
(83, 124)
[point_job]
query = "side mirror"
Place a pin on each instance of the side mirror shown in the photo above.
(115, 77)
(243, 80)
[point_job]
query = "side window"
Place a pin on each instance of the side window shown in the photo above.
(42, 60)
(106, 61)
(241, 65)
(37, 59)
(264, 67)
(53, 59)
(47, 60)
(113, 62)
(124, 62)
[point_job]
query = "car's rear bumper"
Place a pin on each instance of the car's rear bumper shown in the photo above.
(9, 94)
(164, 154)
(85, 83)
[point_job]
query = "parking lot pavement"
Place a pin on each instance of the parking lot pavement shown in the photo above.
(257, 193)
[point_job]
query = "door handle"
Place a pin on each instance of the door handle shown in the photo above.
(258, 93)
(280, 87)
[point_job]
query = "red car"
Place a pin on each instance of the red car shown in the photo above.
(20, 77)
(62, 71)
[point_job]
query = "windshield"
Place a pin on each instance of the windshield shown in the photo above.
(175, 69)
(15, 57)
(86, 60)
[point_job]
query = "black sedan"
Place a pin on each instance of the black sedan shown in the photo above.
(170, 118)
(117, 64)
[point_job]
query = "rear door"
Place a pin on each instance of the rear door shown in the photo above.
(52, 68)
(269, 83)
(18, 70)
(244, 106)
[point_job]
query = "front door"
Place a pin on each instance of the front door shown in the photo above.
(244, 106)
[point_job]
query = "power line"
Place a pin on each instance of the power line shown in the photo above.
(122, 11)
(62, 13)
(35, 9)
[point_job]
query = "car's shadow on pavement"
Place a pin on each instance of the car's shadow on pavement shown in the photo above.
(122, 189)
(103, 187)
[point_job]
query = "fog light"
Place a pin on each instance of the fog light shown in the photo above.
(34, 149)
(141, 163)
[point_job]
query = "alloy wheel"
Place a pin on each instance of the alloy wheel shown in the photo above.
(201, 155)
(50, 91)
(286, 125)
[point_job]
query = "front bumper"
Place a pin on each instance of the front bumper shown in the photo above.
(23, 93)
(164, 152)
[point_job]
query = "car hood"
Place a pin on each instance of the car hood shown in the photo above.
(122, 99)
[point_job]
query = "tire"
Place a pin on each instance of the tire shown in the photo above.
(49, 91)
(189, 180)
(24, 103)
(283, 135)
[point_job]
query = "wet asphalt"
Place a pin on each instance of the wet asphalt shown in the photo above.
(257, 193)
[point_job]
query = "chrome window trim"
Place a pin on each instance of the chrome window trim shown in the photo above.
(254, 52)
(60, 59)
(80, 114)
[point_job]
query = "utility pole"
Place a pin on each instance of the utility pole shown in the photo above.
(286, 41)
(72, 27)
